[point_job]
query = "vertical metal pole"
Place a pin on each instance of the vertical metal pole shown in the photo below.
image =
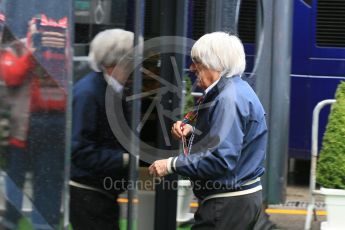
(68, 131)
(173, 23)
(260, 79)
(280, 99)
(221, 16)
(136, 112)
(263, 74)
(314, 153)
(213, 16)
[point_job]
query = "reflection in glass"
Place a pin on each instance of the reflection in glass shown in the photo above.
(33, 76)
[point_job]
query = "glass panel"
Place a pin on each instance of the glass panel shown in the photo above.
(97, 158)
(34, 75)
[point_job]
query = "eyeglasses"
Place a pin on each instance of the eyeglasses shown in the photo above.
(196, 60)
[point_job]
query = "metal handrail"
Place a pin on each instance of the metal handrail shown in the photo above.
(314, 151)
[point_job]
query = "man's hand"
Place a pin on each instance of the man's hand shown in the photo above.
(159, 168)
(177, 131)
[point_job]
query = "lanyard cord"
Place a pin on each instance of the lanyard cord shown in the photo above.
(188, 119)
(187, 148)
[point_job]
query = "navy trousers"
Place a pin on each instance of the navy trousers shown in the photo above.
(235, 213)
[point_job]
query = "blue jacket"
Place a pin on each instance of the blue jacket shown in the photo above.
(230, 142)
(96, 154)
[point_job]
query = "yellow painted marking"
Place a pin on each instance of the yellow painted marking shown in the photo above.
(125, 200)
(194, 205)
(268, 211)
(293, 212)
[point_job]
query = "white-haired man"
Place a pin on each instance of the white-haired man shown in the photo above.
(226, 160)
(97, 156)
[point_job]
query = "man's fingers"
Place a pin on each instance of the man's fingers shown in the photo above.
(155, 169)
(176, 130)
(187, 129)
(158, 168)
(152, 169)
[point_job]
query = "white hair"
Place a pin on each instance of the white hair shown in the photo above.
(109, 47)
(221, 52)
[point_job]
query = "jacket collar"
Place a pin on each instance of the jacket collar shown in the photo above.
(219, 87)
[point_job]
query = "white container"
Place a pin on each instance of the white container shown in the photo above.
(324, 226)
(335, 206)
(184, 197)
